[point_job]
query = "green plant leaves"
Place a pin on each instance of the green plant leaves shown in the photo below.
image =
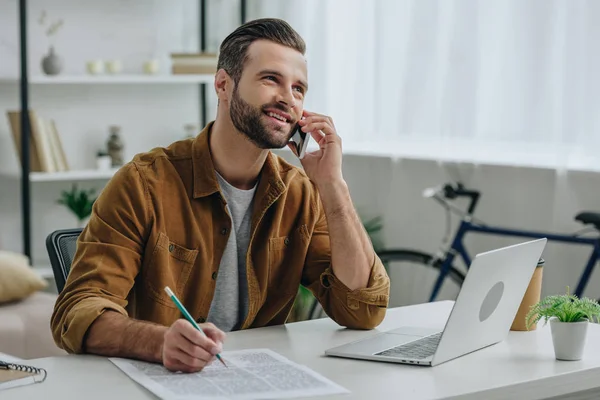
(80, 202)
(566, 308)
(302, 304)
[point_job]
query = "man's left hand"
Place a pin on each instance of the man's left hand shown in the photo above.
(323, 166)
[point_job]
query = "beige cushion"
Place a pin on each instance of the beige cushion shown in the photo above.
(17, 279)
(25, 327)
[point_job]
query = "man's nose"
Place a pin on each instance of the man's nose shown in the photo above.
(286, 97)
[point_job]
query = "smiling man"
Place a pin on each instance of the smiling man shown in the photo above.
(231, 228)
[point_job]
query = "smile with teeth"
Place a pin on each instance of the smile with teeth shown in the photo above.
(276, 116)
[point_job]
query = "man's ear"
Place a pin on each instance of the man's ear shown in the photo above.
(222, 84)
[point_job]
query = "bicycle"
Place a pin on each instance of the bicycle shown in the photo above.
(443, 260)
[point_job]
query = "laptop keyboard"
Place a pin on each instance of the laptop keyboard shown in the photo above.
(418, 349)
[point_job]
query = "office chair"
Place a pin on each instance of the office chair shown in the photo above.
(61, 246)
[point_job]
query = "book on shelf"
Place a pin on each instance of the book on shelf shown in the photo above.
(46, 152)
(193, 63)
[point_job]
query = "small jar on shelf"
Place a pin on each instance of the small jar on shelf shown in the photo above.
(103, 160)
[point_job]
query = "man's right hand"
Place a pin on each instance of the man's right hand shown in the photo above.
(186, 349)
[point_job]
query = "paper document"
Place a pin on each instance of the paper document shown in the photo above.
(252, 374)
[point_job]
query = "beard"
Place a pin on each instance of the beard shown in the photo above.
(249, 120)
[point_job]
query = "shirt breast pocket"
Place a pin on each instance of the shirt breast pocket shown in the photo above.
(170, 265)
(286, 261)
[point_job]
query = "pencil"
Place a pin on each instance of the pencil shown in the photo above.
(187, 316)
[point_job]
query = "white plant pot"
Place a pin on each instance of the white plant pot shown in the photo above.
(568, 339)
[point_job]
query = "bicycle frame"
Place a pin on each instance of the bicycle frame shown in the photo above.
(466, 226)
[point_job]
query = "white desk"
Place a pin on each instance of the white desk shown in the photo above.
(521, 367)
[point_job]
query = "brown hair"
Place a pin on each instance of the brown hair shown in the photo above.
(233, 52)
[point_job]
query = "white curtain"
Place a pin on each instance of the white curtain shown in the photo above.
(495, 77)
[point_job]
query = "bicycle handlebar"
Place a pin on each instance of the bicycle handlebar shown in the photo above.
(452, 191)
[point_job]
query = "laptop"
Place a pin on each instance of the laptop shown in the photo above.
(481, 316)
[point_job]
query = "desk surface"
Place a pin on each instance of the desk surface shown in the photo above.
(523, 366)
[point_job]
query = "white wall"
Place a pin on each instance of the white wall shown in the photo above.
(155, 115)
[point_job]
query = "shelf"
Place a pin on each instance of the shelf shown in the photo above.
(67, 176)
(461, 153)
(77, 175)
(116, 79)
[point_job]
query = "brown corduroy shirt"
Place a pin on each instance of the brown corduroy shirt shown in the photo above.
(162, 221)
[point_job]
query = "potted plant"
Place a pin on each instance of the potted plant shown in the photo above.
(79, 202)
(569, 317)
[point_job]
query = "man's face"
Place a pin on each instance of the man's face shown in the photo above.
(267, 102)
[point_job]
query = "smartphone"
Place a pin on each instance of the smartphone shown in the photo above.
(299, 141)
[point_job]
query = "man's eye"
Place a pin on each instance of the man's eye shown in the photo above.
(271, 78)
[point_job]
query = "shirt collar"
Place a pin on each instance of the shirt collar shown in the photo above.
(205, 178)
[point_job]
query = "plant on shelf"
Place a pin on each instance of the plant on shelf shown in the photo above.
(79, 202)
(52, 28)
(569, 318)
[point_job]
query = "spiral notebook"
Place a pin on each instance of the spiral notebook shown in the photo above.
(13, 375)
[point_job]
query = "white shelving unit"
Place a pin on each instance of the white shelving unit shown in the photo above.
(75, 81)
(116, 79)
(68, 176)
(81, 175)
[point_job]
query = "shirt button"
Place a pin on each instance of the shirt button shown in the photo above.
(286, 241)
(201, 320)
(171, 247)
(214, 275)
(224, 231)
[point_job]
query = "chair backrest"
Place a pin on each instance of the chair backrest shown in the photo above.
(61, 246)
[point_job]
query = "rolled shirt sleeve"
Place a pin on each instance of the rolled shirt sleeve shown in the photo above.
(107, 259)
(361, 308)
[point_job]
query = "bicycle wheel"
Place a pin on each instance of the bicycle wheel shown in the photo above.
(413, 275)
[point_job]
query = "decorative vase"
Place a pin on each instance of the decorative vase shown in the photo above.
(568, 339)
(115, 146)
(52, 64)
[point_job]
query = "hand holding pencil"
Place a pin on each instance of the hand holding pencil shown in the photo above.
(189, 347)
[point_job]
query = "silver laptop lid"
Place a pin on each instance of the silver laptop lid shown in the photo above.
(489, 299)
